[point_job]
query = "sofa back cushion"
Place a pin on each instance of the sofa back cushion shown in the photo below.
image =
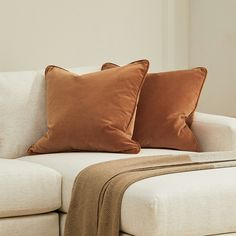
(22, 110)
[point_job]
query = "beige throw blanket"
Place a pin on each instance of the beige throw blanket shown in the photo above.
(98, 190)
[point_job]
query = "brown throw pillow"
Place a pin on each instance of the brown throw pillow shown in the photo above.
(165, 109)
(92, 112)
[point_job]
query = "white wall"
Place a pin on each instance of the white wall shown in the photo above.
(175, 34)
(172, 34)
(213, 44)
(80, 33)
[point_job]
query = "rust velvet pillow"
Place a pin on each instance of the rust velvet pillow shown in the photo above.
(92, 112)
(166, 107)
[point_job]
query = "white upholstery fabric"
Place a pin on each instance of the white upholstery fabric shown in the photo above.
(22, 119)
(183, 204)
(37, 225)
(22, 107)
(215, 133)
(28, 188)
(228, 234)
(63, 220)
(62, 226)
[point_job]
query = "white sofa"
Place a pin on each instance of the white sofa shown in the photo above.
(35, 190)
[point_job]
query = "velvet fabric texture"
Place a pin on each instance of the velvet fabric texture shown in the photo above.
(166, 108)
(92, 112)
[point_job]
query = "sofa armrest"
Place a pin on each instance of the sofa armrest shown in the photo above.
(214, 132)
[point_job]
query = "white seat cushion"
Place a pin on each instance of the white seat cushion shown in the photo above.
(70, 164)
(28, 188)
(182, 204)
